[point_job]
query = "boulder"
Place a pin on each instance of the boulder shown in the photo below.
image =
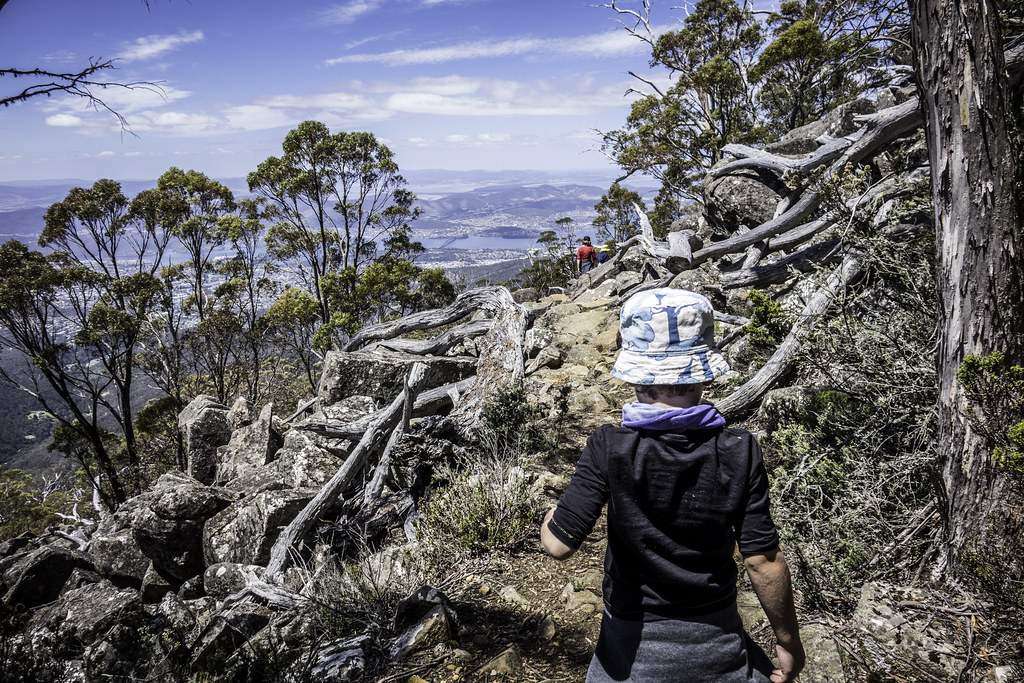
(250, 447)
(510, 595)
(155, 586)
(37, 577)
(340, 661)
(412, 608)
(226, 632)
(601, 291)
(301, 463)
(350, 409)
(168, 524)
(240, 413)
(205, 427)
(114, 655)
(432, 628)
(81, 616)
(224, 578)
(738, 199)
(116, 554)
(525, 295)
(245, 532)
(381, 375)
(824, 658)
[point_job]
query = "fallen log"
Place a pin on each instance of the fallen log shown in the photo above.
(760, 160)
(355, 463)
(435, 346)
(782, 269)
(432, 402)
(482, 298)
(781, 362)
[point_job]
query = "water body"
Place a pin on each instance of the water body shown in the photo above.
(480, 242)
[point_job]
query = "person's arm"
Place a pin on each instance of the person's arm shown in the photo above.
(758, 541)
(770, 577)
(568, 523)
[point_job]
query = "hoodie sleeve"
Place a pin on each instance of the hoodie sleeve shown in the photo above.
(755, 530)
(580, 505)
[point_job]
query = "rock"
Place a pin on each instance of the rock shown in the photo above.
(546, 629)
(432, 628)
(79, 577)
(114, 655)
(507, 663)
(180, 621)
(784, 405)
(836, 123)
(738, 199)
(250, 447)
(703, 280)
(510, 595)
(192, 589)
(155, 586)
(581, 600)
(245, 532)
(167, 524)
(381, 375)
(204, 424)
(226, 632)
(81, 616)
(16, 544)
(526, 294)
(340, 661)
(627, 280)
(824, 658)
(602, 291)
(413, 607)
(117, 555)
(37, 577)
(240, 413)
(301, 463)
(592, 579)
(224, 578)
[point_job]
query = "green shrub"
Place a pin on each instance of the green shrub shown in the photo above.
(769, 323)
(24, 507)
(996, 389)
(484, 506)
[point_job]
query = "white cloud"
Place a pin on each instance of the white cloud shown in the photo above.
(257, 117)
(175, 123)
(346, 13)
(64, 120)
(149, 47)
(604, 44)
(330, 100)
(105, 154)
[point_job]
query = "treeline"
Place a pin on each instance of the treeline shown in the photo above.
(258, 289)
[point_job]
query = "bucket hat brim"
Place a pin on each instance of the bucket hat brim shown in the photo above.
(695, 366)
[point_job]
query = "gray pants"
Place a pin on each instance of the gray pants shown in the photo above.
(710, 648)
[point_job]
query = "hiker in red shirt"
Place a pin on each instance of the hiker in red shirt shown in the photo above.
(586, 256)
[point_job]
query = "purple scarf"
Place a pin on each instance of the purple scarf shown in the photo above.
(638, 415)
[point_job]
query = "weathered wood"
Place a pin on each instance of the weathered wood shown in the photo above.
(435, 346)
(500, 366)
(729, 319)
(360, 457)
(759, 160)
(781, 362)
(482, 298)
(376, 484)
(798, 235)
(430, 402)
(782, 269)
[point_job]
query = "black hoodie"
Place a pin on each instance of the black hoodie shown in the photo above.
(678, 502)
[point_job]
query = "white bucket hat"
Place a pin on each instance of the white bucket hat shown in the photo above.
(668, 338)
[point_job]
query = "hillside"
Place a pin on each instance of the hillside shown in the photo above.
(385, 527)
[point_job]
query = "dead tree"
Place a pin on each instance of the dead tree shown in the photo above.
(972, 102)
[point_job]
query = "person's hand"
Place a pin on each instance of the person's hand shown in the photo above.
(791, 662)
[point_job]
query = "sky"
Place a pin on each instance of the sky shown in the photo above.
(447, 84)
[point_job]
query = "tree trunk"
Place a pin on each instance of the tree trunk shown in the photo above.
(972, 115)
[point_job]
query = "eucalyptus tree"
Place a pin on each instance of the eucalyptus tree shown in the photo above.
(331, 199)
(191, 206)
(78, 315)
(616, 218)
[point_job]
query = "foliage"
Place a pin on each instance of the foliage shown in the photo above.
(996, 388)
(769, 323)
(616, 218)
(555, 267)
(24, 506)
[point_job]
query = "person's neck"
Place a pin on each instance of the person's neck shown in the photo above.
(688, 401)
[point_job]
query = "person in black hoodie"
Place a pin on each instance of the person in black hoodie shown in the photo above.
(682, 490)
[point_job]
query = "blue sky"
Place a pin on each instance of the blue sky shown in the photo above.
(454, 84)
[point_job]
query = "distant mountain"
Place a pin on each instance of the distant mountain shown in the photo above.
(520, 200)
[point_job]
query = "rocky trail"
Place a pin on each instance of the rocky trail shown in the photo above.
(305, 544)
